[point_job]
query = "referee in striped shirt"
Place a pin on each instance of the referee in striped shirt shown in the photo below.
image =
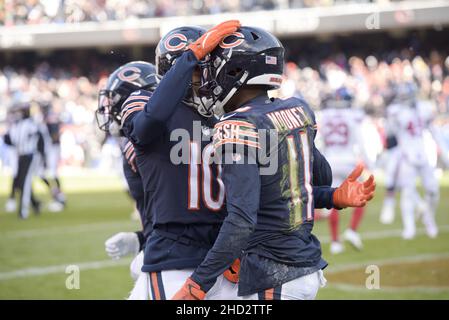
(26, 137)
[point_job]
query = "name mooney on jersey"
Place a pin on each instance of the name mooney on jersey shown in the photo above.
(289, 119)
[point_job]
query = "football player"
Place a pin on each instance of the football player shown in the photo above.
(408, 124)
(392, 156)
(26, 136)
(121, 83)
(9, 156)
(186, 197)
(343, 146)
(49, 173)
(269, 212)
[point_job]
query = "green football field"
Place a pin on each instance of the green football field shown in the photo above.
(35, 254)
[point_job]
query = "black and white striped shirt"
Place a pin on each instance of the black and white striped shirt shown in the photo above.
(26, 136)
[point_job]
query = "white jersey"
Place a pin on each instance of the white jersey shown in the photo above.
(341, 133)
(410, 125)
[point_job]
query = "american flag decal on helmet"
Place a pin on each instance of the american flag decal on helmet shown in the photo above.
(271, 60)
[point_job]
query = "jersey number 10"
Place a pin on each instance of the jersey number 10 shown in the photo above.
(201, 177)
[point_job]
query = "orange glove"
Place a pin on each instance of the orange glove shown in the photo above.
(352, 193)
(232, 274)
(189, 291)
(208, 41)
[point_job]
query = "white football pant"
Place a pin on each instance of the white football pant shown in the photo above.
(303, 288)
(163, 285)
(410, 197)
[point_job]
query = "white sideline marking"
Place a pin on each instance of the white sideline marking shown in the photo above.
(31, 233)
(40, 271)
(369, 235)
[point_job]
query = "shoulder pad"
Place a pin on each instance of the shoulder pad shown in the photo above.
(236, 132)
(135, 102)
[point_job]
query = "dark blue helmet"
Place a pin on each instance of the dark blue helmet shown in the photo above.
(121, 83)
(250, 56)
(173, 44)
(170, 47)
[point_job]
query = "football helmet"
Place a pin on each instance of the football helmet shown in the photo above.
(173, 44)
(169, 48)
(249, 56)
(340, 98)
(121, 83)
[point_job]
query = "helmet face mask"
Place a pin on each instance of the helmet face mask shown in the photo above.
(249, 57)
(121, 83)
(106, 113)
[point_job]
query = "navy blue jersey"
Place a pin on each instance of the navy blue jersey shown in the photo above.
(269, 195)
(173, 147)
(135, 187)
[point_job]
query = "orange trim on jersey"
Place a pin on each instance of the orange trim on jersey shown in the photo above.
(237, 123)
(269, 294)
(129, 152)
(237, 141)
(249, 133)
(240, 132)
(133, 104)
(132, 163)
(131, 111)
(154, 284)
(127, 146)
(137, 97)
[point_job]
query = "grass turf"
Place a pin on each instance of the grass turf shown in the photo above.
(34, 253)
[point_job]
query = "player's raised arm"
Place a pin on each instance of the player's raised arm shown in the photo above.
(147, 125)
(174, 86)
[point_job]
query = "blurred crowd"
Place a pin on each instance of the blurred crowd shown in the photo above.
(371, 80)
(24, 12)
(72, 96)
(73, 91)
